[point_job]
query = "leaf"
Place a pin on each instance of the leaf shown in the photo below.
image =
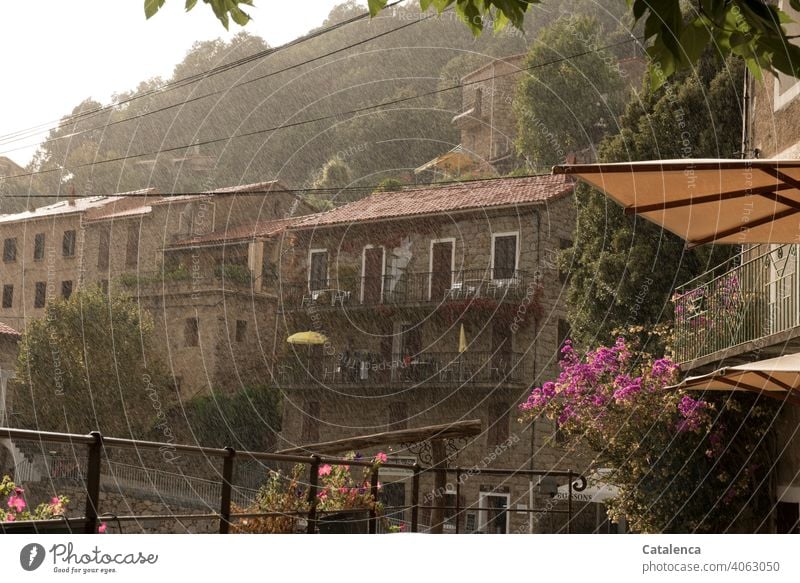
(376, 6)
(152, 6)
(190, 4)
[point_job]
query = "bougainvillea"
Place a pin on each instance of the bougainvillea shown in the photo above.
(16, 508)
(681, 463)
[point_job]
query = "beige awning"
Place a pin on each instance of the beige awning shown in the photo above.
(778, 378)
(455, 161)
(706, 201)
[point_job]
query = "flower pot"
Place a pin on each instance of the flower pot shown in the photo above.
(346, 522)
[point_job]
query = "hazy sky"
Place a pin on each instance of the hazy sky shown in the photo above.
(56, 53)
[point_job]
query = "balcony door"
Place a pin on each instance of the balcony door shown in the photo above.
(318, 270)
(442, 254)
(373, 265)
(505, 254)
(494, 513)
(783, 288)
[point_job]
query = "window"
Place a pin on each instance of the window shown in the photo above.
(8, 296)
(10, 250)
(66, 289)
(318, 270)
(498, 424)
(504, 255)
(310, 430)
(241, 330)
(191, 332)
(103, 250)
(38, 247)
(132, 249)
(68, 244)
(39, 296)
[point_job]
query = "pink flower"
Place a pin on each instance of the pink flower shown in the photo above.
(55, 501)
(381, 457)
(102, 528)
(10, 518)
(325, 470)
(16, 503)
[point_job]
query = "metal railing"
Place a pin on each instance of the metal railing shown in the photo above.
(742, 300)
(408, 288)
(311, 516)
(442, 368)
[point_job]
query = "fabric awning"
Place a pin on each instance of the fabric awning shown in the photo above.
(778, 378)
(309, 337)
(705, 201)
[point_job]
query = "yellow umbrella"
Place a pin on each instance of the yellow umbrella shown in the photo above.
(309, 337)
(462, 340)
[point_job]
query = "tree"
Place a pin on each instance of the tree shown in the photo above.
(223, 9)
(568, 107)
(89, 364)
(623, 269)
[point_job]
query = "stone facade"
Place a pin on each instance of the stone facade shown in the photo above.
(321, 403)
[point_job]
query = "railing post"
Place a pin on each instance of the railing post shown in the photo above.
(94, 457)
(458, 501)
(415, 499)
(569, 504)
(313, 480)
(225, 494)
(373, 490)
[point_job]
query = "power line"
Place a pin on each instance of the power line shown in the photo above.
(332, 116)
(227, 89)
(184, 81)
(480, 182)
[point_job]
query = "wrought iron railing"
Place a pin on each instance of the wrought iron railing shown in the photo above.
(442, 368)
(742, 300)
(90, 472)
(408, 288)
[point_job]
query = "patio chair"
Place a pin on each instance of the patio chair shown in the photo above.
(455, 291)
(341, 297)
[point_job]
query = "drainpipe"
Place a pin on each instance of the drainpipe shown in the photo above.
(535, 346)
(746, 117)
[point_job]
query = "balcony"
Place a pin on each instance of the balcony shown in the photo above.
(748, 303)
(182, 280)
(408, 289)
(362, 368)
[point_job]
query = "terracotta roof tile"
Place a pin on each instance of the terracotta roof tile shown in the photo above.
(462, 196)
(6, 330)
(257, 229)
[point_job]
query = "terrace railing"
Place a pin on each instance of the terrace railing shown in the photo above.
(742, 300)
(409, 288)
(90, 471)
(441, 368)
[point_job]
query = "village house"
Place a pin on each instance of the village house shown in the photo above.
(436, 305)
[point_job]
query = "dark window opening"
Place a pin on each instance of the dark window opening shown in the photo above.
(505, 256)
(40, 295)
(66, 289)
(241, 330)
(10, 250)
(8, 296)
(318, 276)
(68, 244)
(38, 247)
(132, 248)
(191, 332)
(498, 432)
(103, 250)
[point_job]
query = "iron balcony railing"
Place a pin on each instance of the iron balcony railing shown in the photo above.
(409, 288)
(742, 300)
(440, 368)
(311, 518)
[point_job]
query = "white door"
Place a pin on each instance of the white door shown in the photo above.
(494, 513)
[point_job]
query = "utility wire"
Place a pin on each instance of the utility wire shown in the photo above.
(473, 183)
(184, 81)
(333, 116)
(227, 89)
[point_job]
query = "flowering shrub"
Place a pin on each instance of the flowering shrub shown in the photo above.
(671, 454)
(287, 496)
(15, 507)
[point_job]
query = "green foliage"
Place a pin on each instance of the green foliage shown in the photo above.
(223, 9)
(15, 508)
(389, 185)
(623, 269)
(88, 365)
(247, 420)
(234, 273)
(568, 107)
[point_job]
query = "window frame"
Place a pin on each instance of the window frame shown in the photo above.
(311, 253)
(39, 299)
(10, 250)
(39, 250)
(496, 236)
(8, 290)
(69, 242)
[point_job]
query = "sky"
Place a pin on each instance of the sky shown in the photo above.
(60, 52)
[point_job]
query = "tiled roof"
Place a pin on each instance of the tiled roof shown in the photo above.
(258, 229)
(271, 185)
(125, 205)
(6, 330)
(89, 204)
(462, 196)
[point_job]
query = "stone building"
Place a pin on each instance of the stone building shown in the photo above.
(438, 305)
(119, 242)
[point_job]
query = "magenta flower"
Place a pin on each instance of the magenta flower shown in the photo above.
(381, 457)
(10, 518)
(325, 470)
(16, 503)
(102, 528)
